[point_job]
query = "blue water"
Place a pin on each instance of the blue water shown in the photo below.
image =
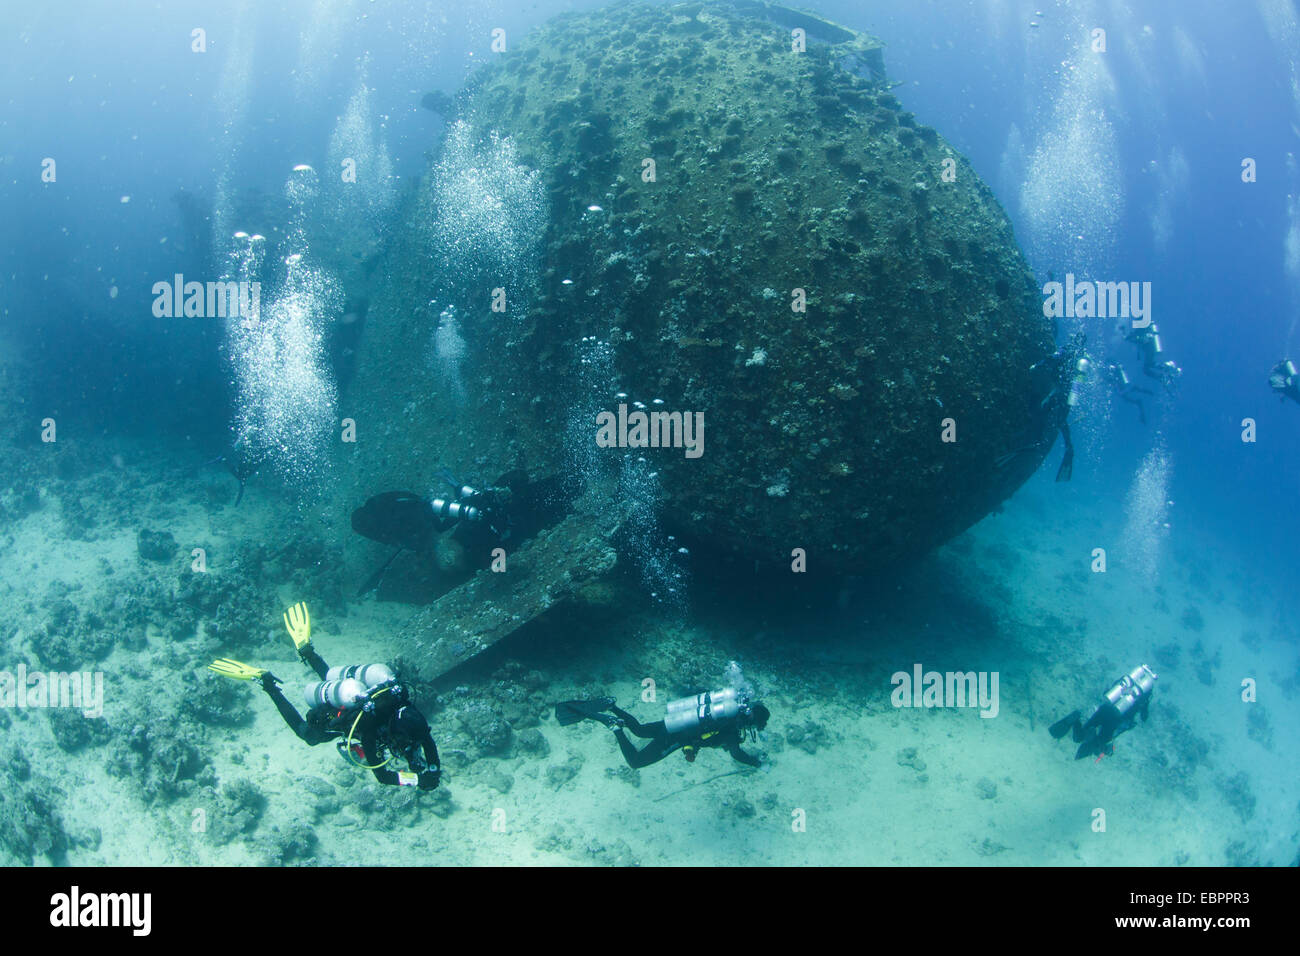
(1165, 116)
(1226, 303)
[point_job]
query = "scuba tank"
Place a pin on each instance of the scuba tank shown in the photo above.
(339, 693)
(1128, 691)
(450, 512)
(1081, 369)
(372, 675)
(701, 711)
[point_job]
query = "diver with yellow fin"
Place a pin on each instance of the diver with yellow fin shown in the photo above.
(362, 707)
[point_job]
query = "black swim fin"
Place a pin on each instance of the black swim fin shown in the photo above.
(1062, 726)
(571, 711)
(1067, 466)
(1092, 747)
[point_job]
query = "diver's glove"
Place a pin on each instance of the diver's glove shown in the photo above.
(298, 623)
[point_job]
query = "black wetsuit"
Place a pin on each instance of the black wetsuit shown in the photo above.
(514, 509)
(1063, 364)
(1127, 391)
(725, 737)
(1147, 342)
(1097, 735)
(374, 731)
(1285, 384)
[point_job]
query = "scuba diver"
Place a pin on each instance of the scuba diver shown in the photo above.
(1126, 390)
(721, 719)
(362, 707)
(478, 518)
(408, 521)
(1149, 349)
(1069, 366)
(240, 463)
(1116, 713)
(1284, 380)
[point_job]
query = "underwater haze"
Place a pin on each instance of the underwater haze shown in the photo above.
(732, 433)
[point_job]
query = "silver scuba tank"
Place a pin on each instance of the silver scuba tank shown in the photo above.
(372, 675)
(701, 711)
(1081, 369)
(340, 693)
(1129, 690)
(449, 512)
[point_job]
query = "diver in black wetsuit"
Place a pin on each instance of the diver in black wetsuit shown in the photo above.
(1147, 342)
(1069, 366)
(363, 708)
(1126, 390)
(1284, 380)
(241, 463)
(720, 720)
(1117, 713)
(480, 519)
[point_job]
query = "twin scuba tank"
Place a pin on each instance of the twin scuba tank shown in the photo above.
(1129, 690)
(450, 511)
(345, 687)
(704, 711)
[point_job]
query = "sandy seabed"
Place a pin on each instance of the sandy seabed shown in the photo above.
(848, 778)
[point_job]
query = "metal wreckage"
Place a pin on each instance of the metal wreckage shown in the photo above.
(733, 225)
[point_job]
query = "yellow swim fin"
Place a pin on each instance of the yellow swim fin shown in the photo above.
(298, 623)
(235, 670)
